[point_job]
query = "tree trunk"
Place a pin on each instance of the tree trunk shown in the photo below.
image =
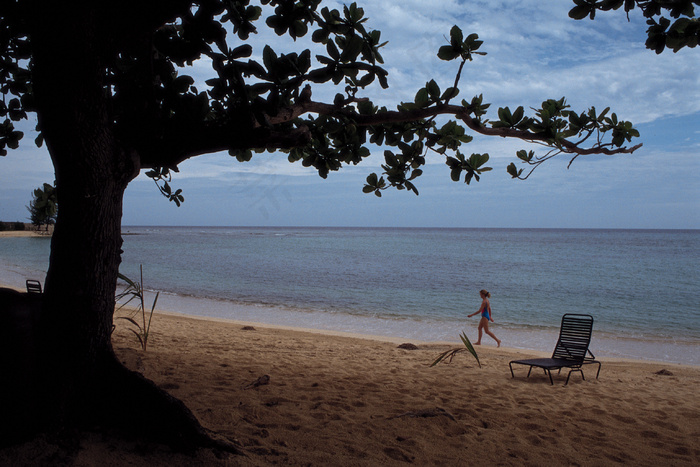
(77, 382)
(92, 173)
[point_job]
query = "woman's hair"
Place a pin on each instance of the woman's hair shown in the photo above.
(485, 293)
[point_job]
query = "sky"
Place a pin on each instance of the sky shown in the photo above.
(534, 52)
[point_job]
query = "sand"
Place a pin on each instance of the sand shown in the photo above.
(25, 233)
(352, 401)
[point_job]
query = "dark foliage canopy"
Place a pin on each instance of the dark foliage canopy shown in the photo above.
(680, 29)
(258, 99)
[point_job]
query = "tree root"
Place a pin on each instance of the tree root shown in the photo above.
(138, 407)
(45, 392)
(119, 403)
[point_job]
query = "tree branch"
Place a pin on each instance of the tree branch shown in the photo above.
(459, 112)
(180, 144)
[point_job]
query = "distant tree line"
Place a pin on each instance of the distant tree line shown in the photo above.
(42, 208)
(5, 226)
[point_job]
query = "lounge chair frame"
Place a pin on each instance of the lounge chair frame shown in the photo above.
(571, 350)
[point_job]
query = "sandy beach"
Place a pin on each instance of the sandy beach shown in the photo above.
(24, 233)
(348, 400)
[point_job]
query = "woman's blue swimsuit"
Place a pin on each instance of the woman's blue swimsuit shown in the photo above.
(485, 313)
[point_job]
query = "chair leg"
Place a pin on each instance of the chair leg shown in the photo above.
(548, 372)
(599, 365)
(572, 370)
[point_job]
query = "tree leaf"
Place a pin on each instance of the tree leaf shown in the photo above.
(580, 12)
(456, 37)
(448, 52)
(269, 58)
(433, 89)
(352, 49)
(422, 98)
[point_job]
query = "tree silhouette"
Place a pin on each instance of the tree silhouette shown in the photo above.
(43, 207)
(114, 90)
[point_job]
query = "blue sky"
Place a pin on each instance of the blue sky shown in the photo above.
(535, 52)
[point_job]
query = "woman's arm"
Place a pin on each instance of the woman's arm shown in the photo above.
(481, 307)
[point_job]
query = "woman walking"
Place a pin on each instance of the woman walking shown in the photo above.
(486, 316)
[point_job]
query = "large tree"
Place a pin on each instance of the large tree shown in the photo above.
(109, 83)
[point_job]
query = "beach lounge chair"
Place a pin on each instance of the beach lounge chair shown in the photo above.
(571, 350)
(33, 286)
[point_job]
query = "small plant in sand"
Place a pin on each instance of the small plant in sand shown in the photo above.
(134, 292)
(448, 355)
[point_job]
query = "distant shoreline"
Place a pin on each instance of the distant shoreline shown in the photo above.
(24, 229)
(31, 231)
(25, 233)
(354, 227)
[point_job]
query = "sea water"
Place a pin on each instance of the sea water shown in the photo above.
(641, 286)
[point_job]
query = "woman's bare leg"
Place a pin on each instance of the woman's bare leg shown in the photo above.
(486, 328)
(481, 329)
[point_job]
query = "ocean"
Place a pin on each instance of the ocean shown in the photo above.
(419, 284)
